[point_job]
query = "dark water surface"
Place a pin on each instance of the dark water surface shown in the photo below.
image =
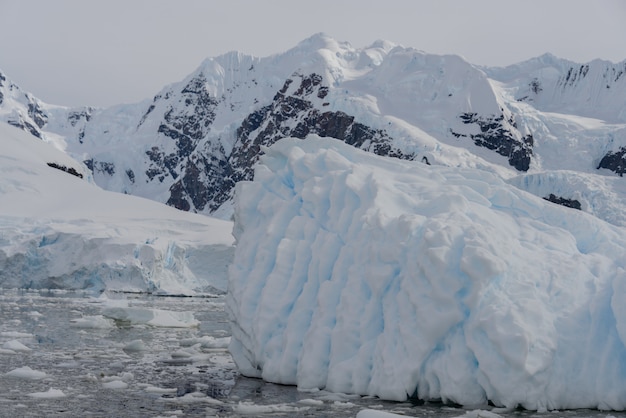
(96, 367)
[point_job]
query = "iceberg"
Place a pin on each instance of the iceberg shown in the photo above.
(367, 275)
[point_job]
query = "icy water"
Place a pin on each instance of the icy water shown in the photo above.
(61, 357)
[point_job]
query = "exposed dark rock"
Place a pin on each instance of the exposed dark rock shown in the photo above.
(69, 170)
(496, 136)
(206, 183)
(2, 80)
(161, 164)
(535, 86)
(296, 116)
(178, 197)
(186, 123)
(25, 126)
(145, 115)
(131, 175)
(573, 75)
(208, 177)
(37, 114)
(76, 116)
(569, 203)
(102, 167)
(615, 161)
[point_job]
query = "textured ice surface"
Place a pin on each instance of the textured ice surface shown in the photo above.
(365, 275)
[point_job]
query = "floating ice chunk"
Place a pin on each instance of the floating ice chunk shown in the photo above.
(71, 364)
(115, 384)
(50, 394)
(26, 373)
(194, 397)
(369, 413)
(339, 405)
(310, 402)
(249, 408)
(155, 389)
(135, 345)
(479, 413)
(94, 322)
(15, 334)
(152, 317)
(206, 341)
(15, 345)
(181, 354)
(125, 376)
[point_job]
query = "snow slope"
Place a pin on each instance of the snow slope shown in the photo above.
(361, 274)
(58, 230)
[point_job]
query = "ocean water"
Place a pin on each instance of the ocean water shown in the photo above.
(60, 356)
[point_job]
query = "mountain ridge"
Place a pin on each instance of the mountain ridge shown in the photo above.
(195, 139)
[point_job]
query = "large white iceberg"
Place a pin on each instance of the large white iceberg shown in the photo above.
(61, 231)
(361, 274)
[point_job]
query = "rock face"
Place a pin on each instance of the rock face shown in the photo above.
(495, 134)
(568, 203)
(196, 139)
(615, 161)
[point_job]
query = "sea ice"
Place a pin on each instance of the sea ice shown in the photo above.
(135, 345)
(152, 317)
(26, 373)
(93, 322)
(115, 384)
(15, 345)
(250, 408)
(49, 394)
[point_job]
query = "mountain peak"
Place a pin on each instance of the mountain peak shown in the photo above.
(200, 136)
(322, 40)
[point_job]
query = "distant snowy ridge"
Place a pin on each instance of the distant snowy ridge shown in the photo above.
(194, 140)
(361, 274)
(60, 231)
(594, 89)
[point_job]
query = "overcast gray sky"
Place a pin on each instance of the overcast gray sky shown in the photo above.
(105, 52)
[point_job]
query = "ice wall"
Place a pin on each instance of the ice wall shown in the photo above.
(374, 276)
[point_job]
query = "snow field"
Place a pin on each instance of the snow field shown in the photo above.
(359, 274)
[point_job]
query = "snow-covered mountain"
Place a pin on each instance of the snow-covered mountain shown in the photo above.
(58, 230)
(191, 143)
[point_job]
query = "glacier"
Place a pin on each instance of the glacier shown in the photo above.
(58, 230)
(361, 274)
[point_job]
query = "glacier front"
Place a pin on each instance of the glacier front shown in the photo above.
(58, 230)
(368, 275)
